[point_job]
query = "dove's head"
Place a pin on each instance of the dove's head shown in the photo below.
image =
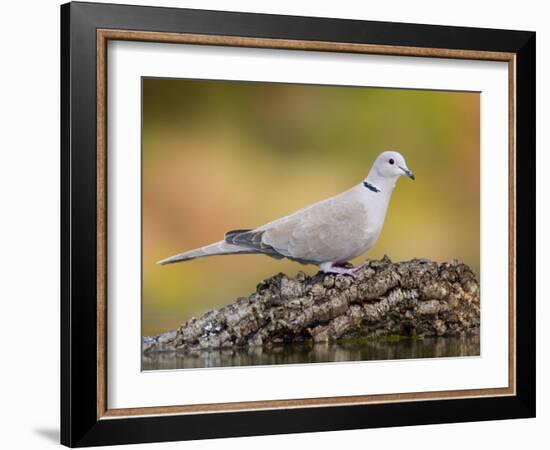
(391, 165)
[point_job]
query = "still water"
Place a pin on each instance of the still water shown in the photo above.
(315, 353)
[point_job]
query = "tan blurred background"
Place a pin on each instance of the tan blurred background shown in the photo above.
(221, 155)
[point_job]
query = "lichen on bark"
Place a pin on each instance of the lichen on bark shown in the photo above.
(409, 298)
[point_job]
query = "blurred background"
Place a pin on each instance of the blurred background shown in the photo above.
(221, 155)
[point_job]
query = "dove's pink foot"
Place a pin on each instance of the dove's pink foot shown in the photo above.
(340, 269)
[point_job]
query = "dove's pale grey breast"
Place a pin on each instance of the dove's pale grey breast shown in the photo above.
(337, 229)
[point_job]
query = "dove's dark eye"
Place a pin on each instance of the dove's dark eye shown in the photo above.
(391, 161)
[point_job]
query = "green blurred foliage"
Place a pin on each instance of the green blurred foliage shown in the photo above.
(220, 155)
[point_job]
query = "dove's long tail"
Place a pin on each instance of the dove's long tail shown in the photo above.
(218, 248)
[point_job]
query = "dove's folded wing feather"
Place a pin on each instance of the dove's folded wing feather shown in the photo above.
(325, 231)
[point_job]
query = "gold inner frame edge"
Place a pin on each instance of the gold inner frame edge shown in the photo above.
(103, 36)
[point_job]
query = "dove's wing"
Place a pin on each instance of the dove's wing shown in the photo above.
(334, 230)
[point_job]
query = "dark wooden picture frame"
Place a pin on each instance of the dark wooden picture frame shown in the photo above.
(85, 417)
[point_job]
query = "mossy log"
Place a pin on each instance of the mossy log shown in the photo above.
(409, 298)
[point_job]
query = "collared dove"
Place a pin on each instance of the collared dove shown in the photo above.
(328, 233)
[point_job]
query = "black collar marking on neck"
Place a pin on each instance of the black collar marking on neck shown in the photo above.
(370, 186)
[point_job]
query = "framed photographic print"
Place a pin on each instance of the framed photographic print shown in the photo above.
(278, 224)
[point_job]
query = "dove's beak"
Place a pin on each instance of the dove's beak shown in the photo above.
(407, 172)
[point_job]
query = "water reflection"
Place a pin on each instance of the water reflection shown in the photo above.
(314, 353)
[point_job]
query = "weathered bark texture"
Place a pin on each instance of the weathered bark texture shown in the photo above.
(411, 298)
